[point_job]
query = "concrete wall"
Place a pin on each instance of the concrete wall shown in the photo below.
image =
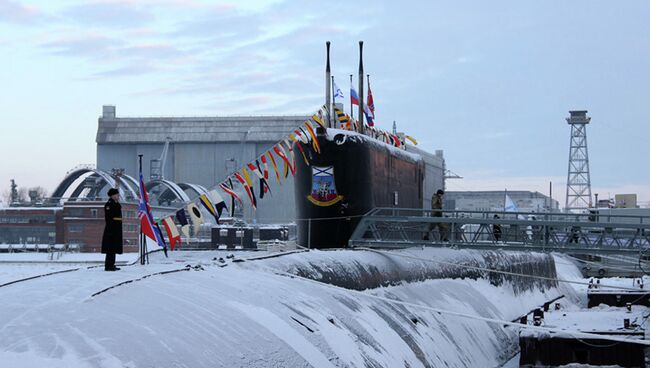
(205, 164)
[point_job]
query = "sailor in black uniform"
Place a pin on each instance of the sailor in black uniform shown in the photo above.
(112, 239)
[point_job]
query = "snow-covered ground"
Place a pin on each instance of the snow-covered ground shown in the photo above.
(256, 314)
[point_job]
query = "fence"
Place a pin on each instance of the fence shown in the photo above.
(575, 233)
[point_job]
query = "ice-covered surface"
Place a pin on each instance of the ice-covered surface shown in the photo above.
(620, 285)
(370, 269)
(514, 363)
(251, 314)
(14, 266)
(362, 138)
(602, 318)
(575, 317)
(62, 257)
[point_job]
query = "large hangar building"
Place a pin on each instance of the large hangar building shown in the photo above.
(204, 150)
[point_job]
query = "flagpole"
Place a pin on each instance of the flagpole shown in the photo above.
(351, 104)
(333, 101)
(361, 127)
(232, 201)
(141, 235)
(550, 197)
(328, 87)
(373, 121)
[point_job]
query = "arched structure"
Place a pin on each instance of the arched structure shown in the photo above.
(193, 189)
(88, 183)
(91, 186)
(165, 192)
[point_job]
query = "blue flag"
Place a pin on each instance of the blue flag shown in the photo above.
(337, 91)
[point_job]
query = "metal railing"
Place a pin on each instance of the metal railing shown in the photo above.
(566, 232)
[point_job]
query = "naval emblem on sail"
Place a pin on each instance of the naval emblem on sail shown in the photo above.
(323, 190)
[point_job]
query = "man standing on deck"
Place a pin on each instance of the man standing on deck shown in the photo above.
(112, 239)
(436, 207)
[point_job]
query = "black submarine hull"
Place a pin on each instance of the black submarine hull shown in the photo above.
(365, 173)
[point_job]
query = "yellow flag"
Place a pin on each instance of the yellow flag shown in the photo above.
(412, 140)
(247, 177)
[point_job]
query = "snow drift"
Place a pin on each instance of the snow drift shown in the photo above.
(253, 314)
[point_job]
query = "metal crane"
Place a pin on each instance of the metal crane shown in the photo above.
(157, 171)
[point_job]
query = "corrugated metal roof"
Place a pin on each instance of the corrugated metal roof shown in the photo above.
(191, 129)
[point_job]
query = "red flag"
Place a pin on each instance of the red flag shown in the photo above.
(354, 97)
(243, 182)
(299, 145)
(275, 167)
(280, 152)
(314, 140)
(371, 103)
(255, 170)
(172, 232)
(266, 167)
(147, 225)
(291, 156)
(396, 140)
(232, 193)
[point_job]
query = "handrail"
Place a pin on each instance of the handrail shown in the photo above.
(403, 227)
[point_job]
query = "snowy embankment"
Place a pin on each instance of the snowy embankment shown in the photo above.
(254, 314)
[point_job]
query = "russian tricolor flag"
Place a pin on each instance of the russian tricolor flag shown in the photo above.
(370, 117)
(354, 97)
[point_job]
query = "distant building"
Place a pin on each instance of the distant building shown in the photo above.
(525, 201)
(204, 150)
(83, 225)
(625, 201)
(31, 225)
(79, 225)
(627, 215)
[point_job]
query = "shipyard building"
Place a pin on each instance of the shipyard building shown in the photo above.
(494, 200)
(203, 151)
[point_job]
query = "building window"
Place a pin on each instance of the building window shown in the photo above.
(75, 228)
(75, 243)
(76, 212)
(93, 212)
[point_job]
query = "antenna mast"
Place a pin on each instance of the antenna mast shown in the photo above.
(328, 86)
(361, 127)
(578, 186)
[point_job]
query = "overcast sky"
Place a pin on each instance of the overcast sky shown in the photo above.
(488, 82)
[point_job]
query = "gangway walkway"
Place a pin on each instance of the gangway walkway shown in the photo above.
(589, 233)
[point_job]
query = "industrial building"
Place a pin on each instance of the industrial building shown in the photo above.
(31, 225)
(203, 151)
(525, 201)
(84, 225)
